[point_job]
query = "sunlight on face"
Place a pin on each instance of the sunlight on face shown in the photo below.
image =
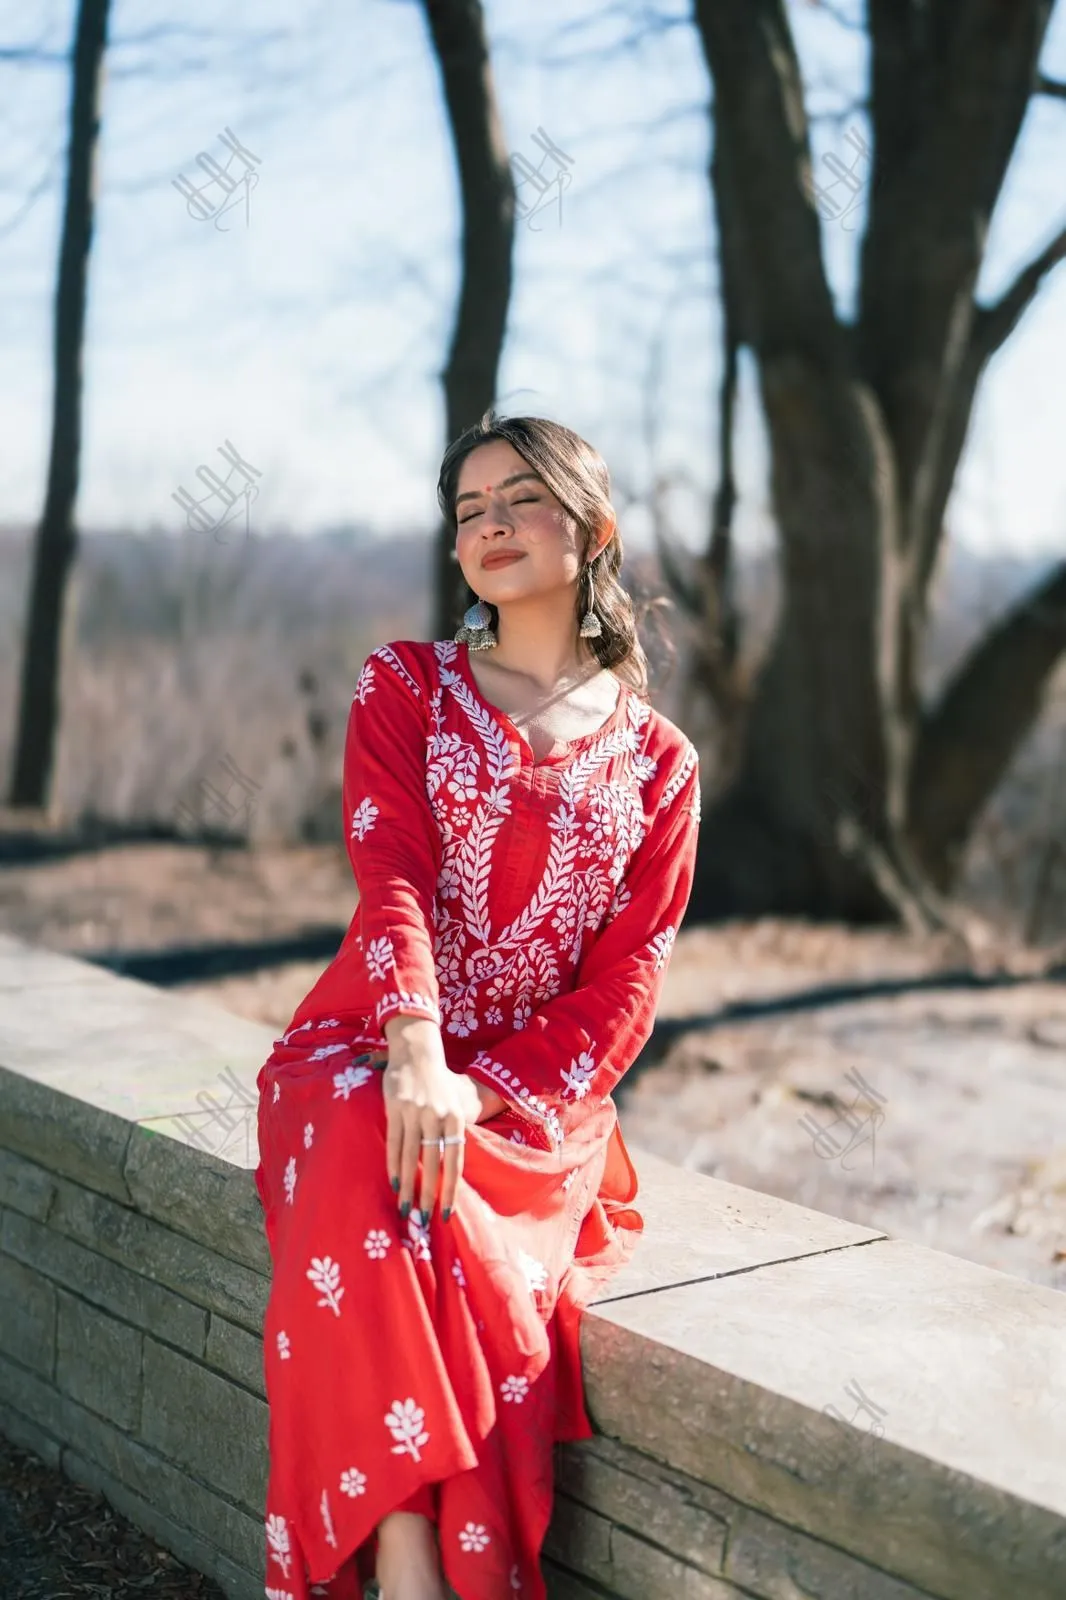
(502, 503)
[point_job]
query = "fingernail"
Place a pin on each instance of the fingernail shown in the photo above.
(395, 1185)
(446, 1213)
(404, 1209)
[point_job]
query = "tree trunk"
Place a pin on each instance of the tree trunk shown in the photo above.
(832, 809)
(56, 537)
(486, 187)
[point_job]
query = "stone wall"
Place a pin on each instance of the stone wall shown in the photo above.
(788, 1405)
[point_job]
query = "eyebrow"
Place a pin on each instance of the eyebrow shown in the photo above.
(516, 477)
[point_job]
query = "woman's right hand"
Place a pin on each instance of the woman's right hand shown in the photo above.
(424, 1099)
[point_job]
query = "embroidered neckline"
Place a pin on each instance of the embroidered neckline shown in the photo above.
(562, 748)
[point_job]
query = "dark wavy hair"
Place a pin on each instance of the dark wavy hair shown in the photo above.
(577, 475)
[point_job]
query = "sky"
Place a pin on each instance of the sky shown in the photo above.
(305, 329)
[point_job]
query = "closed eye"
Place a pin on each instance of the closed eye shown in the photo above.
(528, 500)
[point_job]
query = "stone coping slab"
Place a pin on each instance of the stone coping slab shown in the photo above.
(907, 1405)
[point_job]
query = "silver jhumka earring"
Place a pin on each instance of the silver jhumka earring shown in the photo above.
(476, 631)
(590, 623)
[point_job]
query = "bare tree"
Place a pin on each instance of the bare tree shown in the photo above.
(852, 797)
(56, 538)
(457, 29)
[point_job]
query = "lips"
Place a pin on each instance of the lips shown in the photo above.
(503, 558)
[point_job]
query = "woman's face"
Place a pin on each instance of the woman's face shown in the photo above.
(502, 504)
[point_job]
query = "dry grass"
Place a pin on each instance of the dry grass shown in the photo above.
(207, 686)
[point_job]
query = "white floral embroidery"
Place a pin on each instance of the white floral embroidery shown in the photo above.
(353, 1482)
(515, 1389)
(288, 1182)
(474, 1537)
(376, 1244)
(662, 944)
(280, 1550)
(309, 1134)
(380, 957)
(418, 1243)
(578, 1079)
(677, 782)
(324, 1051)
(351, 1078)
(325, 1274)
(536, 1272)
(406, 1421)
(364, 816)
(277, 1091)
(327, 1520)
(458, 1274)
(284, 1346)
(402, 999)
(366, 685)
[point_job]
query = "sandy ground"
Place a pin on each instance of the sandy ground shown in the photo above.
(851, 1071)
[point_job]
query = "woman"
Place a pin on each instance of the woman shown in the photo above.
(522, 830)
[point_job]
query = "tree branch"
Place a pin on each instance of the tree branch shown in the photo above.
(968, 740)
(1051, 86)
(994, 324)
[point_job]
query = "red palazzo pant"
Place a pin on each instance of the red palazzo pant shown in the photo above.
(411, 1368)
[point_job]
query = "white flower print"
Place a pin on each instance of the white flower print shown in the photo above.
(289, 1179)
(280, 1550)
(448, 883)
(419, 1240)
(522, 1013)
(277, 1091)
(536, 1273)
(324, 1051)
(353, 1482)
(328, 1022)
(406, 1421)
(284, 1346)
(281, 1594)
(464, 1022)
(578, 1079)
(494, 1016)
(474, 1537)
(351, 1078)
(325, 1274)
(309, 1133)
(376, 1244)
(458, 1274)
(363, 818)
(515, 1389)
(380, 956)
(662, 944)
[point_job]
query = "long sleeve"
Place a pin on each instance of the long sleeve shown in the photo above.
(576, 1046)
(392, 836)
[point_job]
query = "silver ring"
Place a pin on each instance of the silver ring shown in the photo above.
(452, 1138)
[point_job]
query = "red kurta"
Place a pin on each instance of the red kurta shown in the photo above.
(529, 908)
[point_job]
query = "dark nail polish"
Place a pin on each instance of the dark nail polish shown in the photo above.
(446, 1213)
(395, 1185)
(404, 1209)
